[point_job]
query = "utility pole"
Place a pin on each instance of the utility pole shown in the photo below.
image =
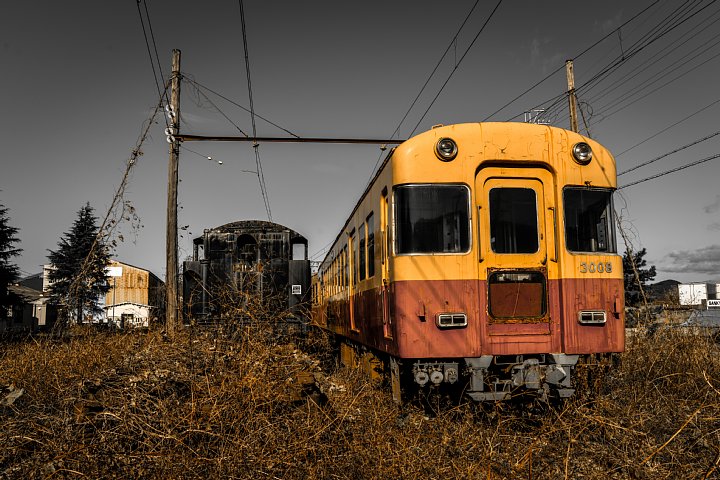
(571, 95)
(171, 275)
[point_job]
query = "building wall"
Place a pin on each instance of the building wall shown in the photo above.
(136, 285)
(139, 315)
(697, 293)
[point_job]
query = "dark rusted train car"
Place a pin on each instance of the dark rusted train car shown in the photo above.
(247, 261)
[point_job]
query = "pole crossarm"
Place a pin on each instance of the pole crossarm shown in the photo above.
(215, 138)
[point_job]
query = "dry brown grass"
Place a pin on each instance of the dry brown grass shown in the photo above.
(136, 405)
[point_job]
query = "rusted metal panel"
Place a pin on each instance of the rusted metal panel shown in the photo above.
(416, 304)
(585, 294)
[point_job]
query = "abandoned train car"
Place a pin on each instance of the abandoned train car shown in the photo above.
(247, 262)
(482, 256)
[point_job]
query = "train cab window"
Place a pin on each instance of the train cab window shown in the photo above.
(513, 220)
(589, 220)
(247, 249)
(370, 245)
(299, 251)
(432, 219)
(217, 243)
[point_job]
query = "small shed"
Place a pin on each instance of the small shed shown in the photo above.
(33, 312)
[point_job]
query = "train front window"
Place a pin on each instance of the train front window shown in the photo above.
(589, 220)
(432, 219)
(513, 220)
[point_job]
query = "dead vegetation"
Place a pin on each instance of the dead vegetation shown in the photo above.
(136, 405)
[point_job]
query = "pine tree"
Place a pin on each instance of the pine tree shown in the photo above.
(8, 271)
(78, 278)
(633, 283)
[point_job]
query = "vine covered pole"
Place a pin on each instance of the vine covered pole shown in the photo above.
(171, 271)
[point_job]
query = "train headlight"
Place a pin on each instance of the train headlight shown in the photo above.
(582, 153)
(446, 149)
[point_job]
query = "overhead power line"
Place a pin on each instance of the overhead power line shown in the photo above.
(618, 103)
(200, 86)
(659, 56)
(670, 153)
(457, 64)
(162, 92)
(256, 147)
(667, 172)
(671, 22)
(561, 67)
(668, 128)
(442, 57)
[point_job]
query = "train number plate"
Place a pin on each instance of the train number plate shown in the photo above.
(592, 267)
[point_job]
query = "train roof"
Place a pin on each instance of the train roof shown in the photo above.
(254, 227)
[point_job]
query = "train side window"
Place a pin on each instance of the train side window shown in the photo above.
(352, 259)
(513, 220)
(432, 219)
(371, 244)
(346, 266)
(589, 220)
(363, 245)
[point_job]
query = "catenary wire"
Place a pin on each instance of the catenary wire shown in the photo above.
(201, 86)
(700, 140)
(256, 147)
(668, 128)
(622, 107)
(648, 39)
(152, 36)
(162, 93)
(442, 57)
(417, 97)
(457, 64)
(640, 68)
(563, 66)
(673, 170)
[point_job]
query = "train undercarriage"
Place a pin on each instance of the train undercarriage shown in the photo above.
(486, 378)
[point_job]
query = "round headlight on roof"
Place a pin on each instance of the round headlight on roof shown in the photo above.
(446, 149)
(582, 153)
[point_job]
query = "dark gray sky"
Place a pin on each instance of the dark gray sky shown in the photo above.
(77, 87)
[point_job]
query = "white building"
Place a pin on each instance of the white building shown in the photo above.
(697, 293)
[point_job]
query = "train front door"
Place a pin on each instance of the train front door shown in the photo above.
(517, 256)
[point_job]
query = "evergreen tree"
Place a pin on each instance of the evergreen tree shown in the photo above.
(8, 271)
(644, 275)
(78, 277)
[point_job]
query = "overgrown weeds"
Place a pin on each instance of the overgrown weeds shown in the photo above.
(136, 405)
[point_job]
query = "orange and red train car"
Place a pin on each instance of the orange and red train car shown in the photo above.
(481, 257)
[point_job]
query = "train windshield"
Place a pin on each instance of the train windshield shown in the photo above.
(589, 220)
(513, 220)
(432, 219)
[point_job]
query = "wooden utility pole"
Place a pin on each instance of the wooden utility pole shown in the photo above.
(171, 275)
(571, 95)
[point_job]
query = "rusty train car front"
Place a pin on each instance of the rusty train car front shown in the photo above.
(482, 256)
